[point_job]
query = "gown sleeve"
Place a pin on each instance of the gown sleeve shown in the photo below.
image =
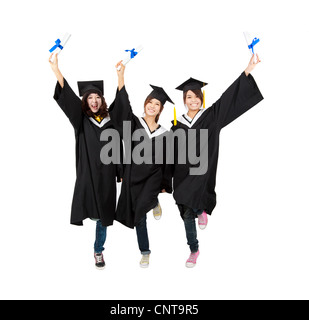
(120, 110)
(120, 166)
(241, 96)
(167, 171)
(70, 103)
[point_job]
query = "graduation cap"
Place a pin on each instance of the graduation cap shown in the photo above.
(193, 84)
(94, 86)
(160, 94)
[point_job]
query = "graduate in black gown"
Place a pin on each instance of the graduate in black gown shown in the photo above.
(195, 193)
(143, 178)
(95, 188)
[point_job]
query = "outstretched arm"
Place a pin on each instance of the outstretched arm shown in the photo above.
(120, 74)
(252, 64)
(120, 110)
(65, 96)
(55, 68)
(241, 96)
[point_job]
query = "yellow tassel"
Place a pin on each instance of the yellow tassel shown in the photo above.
(175, 119)
(204, 99)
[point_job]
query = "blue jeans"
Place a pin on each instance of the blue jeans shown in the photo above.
(100, 237)
(142, 236)
(188, 215)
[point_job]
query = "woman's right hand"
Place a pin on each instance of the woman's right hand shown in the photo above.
(120, 74)
(54, 63)
(120, 71)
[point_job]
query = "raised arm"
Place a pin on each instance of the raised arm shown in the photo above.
(55, 68)
(68, 101)
(241, 96)
(120, 74)
(252, 64)
(120, 110)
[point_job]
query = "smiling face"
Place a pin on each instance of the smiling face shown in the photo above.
(153, 107)
(193, 100)
(94, 102)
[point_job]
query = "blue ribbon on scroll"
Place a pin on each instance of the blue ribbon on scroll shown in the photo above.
(58, 45)
(254, 42)
(133, 52)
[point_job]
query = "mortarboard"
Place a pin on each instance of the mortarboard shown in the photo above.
(95, 86)
(193, 84)
(160, 94)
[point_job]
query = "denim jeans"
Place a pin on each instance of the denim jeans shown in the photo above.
(100, 237)
(188, 215)
(142, 236)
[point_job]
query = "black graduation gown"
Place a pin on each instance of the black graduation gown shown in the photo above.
(95, 187)
(141, 183)
(198, 191)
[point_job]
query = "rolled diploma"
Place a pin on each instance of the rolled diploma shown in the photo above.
(249, 40)
(128, 57)
(63, 42)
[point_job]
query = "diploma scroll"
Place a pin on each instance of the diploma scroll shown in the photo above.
(130, 55)
(251, 42)
(59, 45)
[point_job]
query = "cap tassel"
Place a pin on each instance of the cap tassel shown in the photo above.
(175, 119)
(203, 99)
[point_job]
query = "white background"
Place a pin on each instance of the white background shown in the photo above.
(256, 243)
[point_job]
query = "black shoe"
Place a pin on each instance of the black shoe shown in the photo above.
(99, 261)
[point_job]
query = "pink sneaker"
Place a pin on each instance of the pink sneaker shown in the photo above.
(191, 262)
(202, 220)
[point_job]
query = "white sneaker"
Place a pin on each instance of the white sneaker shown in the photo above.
(145, 261)
(157, 212)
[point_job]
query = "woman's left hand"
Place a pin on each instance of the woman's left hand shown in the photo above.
(252, 64)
